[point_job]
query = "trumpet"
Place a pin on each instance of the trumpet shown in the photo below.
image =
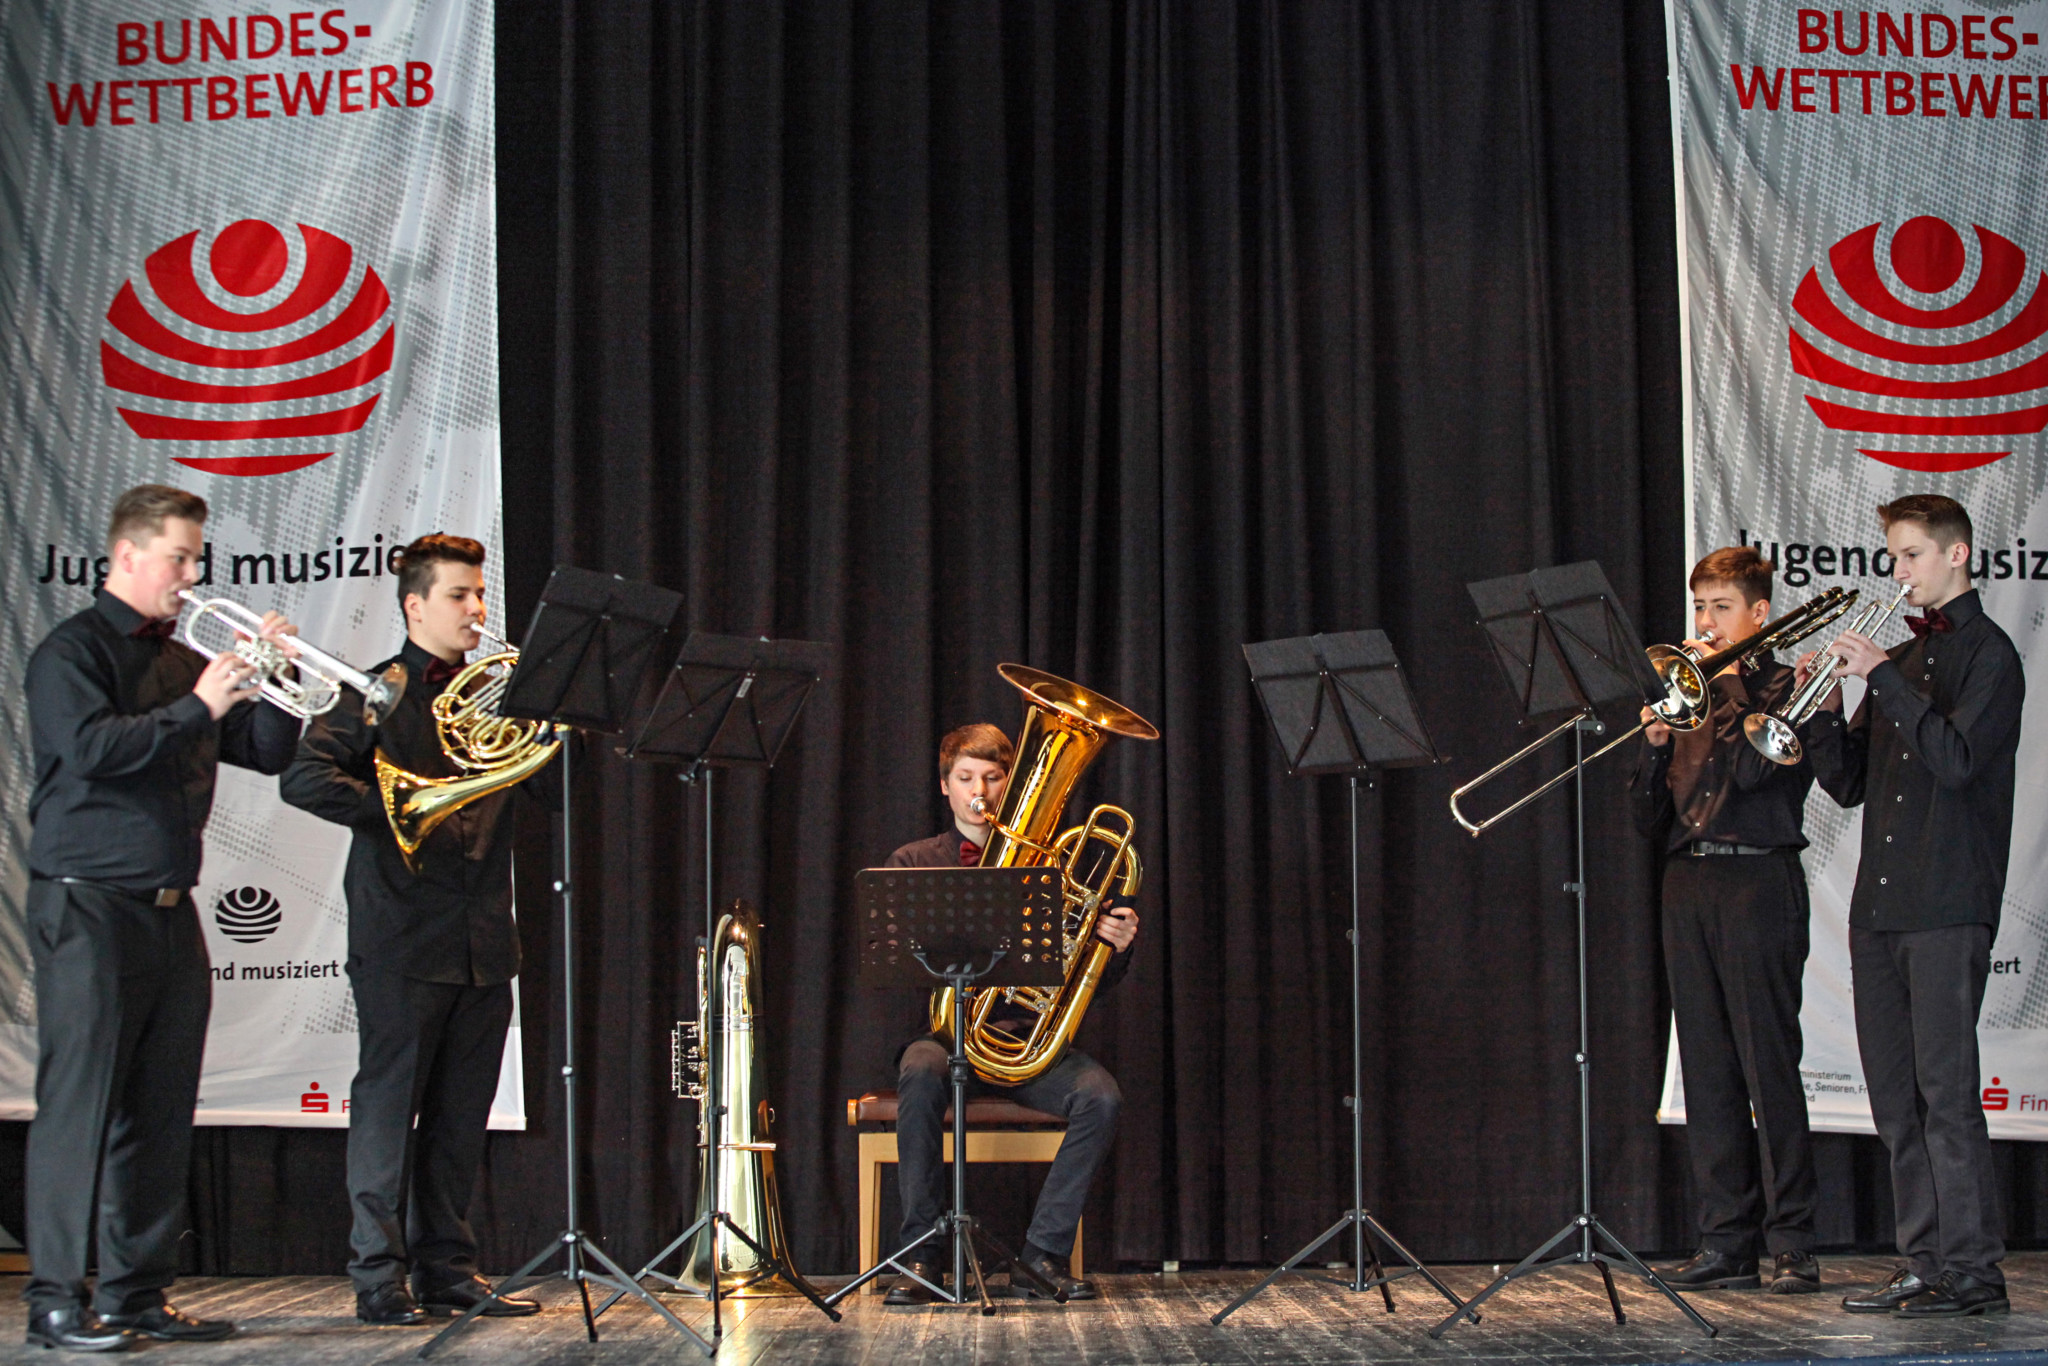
(320, 675)
(1774, 734)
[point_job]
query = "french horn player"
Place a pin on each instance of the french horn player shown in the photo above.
(432, 947)
(1025, 1046)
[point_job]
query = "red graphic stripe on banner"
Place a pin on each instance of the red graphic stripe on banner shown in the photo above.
(1998, 279)
(2019, 422)
(1813, 304)
(1814, 363)
(1937, 462)
(170, 274)
(134, 322)
(251, 464)
(127, 375)
(311, 424)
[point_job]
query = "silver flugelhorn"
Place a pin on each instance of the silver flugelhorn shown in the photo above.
(320, 675)
(1775, 734)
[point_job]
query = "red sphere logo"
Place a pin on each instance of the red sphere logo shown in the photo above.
(291, 372)
(1932, 353)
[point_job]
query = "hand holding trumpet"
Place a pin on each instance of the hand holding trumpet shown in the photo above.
(229, 677)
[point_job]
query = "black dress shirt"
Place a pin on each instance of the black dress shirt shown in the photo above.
(943, 851)
(1712, 784)
(1930, 756)
(126, 752)
(452, 921)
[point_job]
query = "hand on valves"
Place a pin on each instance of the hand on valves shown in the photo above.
(1117, 926)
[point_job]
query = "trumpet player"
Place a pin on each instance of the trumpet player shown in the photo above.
(974, 767)
(431, 957)
(1930, 756)
(129, 725)
(1730, 826)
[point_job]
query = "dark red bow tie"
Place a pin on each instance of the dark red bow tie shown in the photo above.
(439, 671)
(156, 629)
(970, 853)
(1935, 620)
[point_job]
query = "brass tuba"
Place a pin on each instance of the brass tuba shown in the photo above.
(746, 1170)
(493, 751)
(1065, 727)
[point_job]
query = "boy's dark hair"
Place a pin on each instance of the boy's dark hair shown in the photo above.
(978, 741)
(414, 565)
(1943, 517)
(139, 513)
(1742, 565)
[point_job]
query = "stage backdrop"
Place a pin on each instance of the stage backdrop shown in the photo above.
(1863, 221)
(254, 256)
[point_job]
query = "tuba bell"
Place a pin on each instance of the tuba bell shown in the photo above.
(747, 1193)
(1065, 727)
(493, 751)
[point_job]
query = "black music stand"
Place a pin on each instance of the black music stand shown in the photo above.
(728, 702)
(1564, 645)
(581, 666)
(917, 925)
(1340, 704)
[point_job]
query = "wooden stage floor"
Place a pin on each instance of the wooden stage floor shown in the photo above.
(1560, 1317)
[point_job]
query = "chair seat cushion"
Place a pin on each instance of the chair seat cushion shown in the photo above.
(983, 1112)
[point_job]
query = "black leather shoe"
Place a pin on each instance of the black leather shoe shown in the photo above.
(1794, 1273)
(389, 1305)
(1711, 1270)
(168, 1323)
(76, 1329)
(451, 1300)
(1955, 1293)
(905, 1290)
(1883, 1299)
(1051, 1269)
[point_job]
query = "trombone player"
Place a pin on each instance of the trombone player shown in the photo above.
(1729, 824)
(431, 957)
(129, 727)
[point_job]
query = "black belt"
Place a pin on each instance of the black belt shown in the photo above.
(1703, 848)
(160, 896)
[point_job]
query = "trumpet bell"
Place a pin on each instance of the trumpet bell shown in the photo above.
(1773, 739)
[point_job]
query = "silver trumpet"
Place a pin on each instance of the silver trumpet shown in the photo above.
(320, 675)
(1775, 734)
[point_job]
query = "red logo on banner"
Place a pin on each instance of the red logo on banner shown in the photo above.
(1929, 258)
(210, 392)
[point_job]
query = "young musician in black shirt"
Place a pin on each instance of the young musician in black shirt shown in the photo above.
(974, 763)
(431, 957)
(1930, 756)
(129, 726)
(1735, 943)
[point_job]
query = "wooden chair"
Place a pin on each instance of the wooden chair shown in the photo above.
(997, 1131)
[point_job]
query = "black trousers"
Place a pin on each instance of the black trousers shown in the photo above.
(1735, 945)
(427, 1067)
(123, 991)
(1917, 997)
(1077, 1087)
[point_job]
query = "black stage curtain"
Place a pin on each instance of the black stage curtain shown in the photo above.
(1102, 337)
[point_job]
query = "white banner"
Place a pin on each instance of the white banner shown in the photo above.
(1863, 239)
(248, 250)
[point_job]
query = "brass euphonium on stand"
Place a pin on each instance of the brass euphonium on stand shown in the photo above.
(1065, 727)
(493, 751)
(746, 1193)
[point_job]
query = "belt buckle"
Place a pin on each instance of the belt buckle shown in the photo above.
(169, 896)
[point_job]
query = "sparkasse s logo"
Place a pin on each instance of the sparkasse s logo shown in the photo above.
(1943, 358)
(247, 352)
